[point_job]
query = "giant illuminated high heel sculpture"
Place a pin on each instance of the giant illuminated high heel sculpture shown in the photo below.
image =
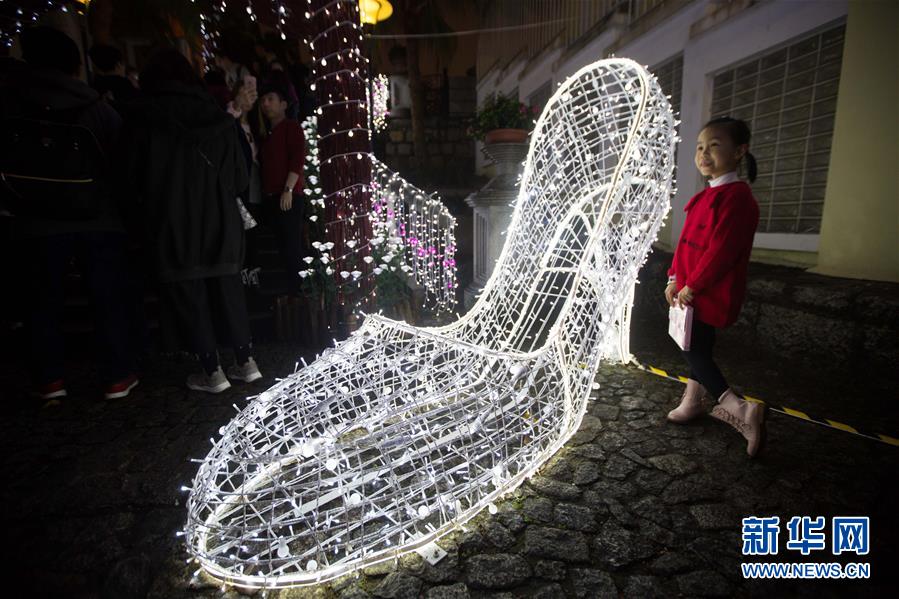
(400, 434)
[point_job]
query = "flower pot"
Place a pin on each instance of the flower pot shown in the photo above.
(506, 136)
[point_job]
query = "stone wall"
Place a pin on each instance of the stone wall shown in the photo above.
(449, 159)
(450, 153)
(825, 322)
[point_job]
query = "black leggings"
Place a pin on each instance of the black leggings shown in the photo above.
(702, 366)
(101, 257)
(288, 228)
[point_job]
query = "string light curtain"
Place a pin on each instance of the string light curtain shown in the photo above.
(344, 144)
(412, 232)
(419, 229)
(401, 434)
(380, 98)
(210, 22)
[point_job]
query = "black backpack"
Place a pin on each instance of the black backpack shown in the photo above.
(51, 167)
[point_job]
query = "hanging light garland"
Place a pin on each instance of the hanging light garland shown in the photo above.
(419, 229)
(211, 19)
(210, 23)
(208, 42)
(281, 15)
(380, 98)
(413, 233)
(401, 434)
(15, 16)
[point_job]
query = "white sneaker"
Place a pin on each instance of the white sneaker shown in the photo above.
(210, 383)
(247, 373)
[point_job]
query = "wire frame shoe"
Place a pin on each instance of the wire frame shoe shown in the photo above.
(400, 434)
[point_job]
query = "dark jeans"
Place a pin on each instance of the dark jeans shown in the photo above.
(702, 366)
(288, 227)
(209, 310)
(102, 260)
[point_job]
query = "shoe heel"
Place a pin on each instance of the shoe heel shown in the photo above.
(763, 435)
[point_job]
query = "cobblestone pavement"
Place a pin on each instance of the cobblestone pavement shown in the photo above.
(632, 506)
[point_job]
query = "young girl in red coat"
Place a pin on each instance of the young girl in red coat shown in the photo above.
(709, 272)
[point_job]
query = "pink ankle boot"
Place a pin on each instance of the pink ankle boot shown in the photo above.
(690, 404)
(745, 416)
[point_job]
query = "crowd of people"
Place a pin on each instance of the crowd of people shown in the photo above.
(145, 179)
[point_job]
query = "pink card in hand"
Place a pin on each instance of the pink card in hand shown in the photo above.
(680, 323)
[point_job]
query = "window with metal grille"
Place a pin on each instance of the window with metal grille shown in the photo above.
(789, 97)
(670, 74)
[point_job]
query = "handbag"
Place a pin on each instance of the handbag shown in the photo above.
(680, 325)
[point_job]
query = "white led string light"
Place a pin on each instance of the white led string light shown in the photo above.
(209, 29)
(344, 144)
(208, 42)
(411, 231)
(400, 434)
(419, 228)
(14, 18)
(380, 96)
(281, 14)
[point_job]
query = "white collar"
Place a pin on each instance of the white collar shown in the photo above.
(725, 178)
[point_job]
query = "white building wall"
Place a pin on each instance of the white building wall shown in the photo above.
(539, 74)
(755, 30)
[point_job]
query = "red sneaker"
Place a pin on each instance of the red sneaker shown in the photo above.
(121, 388)
(50, 390)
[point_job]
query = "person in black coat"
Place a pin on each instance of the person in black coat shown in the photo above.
(185, 164)
(47, 89)
(110, 80)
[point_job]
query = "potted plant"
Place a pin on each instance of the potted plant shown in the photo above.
(503, 120)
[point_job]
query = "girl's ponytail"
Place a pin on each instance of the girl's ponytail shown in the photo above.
(740, 134)
(752, 169)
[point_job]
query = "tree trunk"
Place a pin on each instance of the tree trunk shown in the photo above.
(338, 71)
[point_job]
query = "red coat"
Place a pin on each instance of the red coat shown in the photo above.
(712, 256)
(283, 151)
